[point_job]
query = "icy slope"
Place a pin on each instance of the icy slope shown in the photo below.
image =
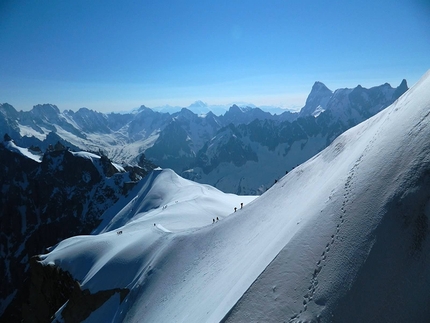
(343, 237)
(363, 254)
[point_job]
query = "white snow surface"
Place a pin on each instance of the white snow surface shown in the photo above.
(85, 154)
(10, 145)
(326, 220)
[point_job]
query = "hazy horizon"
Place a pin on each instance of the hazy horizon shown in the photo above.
(110, 56)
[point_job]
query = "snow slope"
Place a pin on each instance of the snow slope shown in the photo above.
(170, 201)
(362, 252)
(22, 151)
(341, 238)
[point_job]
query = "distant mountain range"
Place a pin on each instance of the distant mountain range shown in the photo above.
(242, 151)
(200, 107)
(343, 237)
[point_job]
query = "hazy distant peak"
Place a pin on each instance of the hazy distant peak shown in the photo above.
(198, 104)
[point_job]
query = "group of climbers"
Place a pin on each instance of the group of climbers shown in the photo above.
(235, 209)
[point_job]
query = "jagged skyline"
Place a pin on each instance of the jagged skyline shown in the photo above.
(115, 57)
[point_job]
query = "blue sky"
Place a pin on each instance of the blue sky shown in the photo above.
(118, 55)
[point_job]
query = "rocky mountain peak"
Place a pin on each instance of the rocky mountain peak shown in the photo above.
(318, 97)
(46, 109)
(7, 110)
(402, 88)
(235, 108)
(319, 87)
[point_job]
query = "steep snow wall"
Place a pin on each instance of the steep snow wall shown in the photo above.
(364, 255)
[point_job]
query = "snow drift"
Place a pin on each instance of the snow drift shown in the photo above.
(342, 238)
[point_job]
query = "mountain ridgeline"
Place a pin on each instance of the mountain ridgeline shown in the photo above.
(227, 151)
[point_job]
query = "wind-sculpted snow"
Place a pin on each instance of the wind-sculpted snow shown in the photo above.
(164, 203)
(165, 198)
(341, 238)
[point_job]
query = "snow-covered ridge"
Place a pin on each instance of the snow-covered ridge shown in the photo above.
(164, 206)
(177, 204)
(10, 145)
(95, 159)
(326, 242)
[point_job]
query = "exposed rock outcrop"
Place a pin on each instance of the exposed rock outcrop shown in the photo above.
(50, 288)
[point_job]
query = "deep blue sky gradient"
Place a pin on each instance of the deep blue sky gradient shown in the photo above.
(118, 55)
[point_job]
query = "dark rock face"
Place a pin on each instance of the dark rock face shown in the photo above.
(50, 288)
(319, 96)
(172, 146)
(82, 303)
(230, 149)
(43, 203)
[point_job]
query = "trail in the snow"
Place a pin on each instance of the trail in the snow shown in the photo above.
(347, 200)
(161, 228)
